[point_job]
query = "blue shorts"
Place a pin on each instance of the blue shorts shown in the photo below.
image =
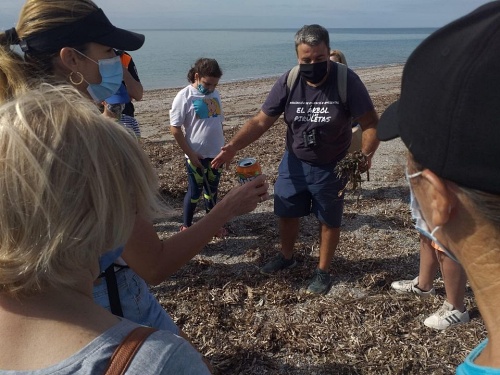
(138, 304)
(302, 188)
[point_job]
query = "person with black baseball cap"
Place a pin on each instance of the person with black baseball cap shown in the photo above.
(64, 41)
(448, 116)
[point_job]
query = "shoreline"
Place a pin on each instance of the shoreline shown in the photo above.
(359, 71)
(243, 99)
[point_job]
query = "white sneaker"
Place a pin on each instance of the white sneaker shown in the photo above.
(446, 316)
(410, 286)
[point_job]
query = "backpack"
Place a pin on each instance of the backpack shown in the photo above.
(341, 80)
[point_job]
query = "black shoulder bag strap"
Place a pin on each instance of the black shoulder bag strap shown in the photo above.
(112, 286)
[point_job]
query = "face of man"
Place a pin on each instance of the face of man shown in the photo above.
(307, 54)
(313, 60)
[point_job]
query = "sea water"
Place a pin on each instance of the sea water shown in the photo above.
(167, 55)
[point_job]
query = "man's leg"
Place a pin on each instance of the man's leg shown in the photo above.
(328, 242)
(291, 202)
(327, 205)
(289, 231)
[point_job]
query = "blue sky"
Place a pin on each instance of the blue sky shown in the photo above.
(164, 14)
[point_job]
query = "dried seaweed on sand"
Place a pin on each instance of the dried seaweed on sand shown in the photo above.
(248, 323)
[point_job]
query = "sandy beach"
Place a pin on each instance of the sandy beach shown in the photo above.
(248, 323)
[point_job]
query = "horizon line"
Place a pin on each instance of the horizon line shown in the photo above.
(279, 28)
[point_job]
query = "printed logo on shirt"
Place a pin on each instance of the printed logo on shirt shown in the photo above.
(206, 108)
(313, 111)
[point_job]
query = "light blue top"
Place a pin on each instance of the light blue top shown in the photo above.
(161, 353)
(470, 368)
(109, 257)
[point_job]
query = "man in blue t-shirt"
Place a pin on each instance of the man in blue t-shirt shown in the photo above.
(318, 136)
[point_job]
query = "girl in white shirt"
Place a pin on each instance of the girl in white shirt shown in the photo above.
(196, 121)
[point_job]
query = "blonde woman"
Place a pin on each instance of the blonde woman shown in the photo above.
(72, 184)
(68, 41)
(338, 56)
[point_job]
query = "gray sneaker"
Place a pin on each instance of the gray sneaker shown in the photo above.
(320, 283)
(277, 263)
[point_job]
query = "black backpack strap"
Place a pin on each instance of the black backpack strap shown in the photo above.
(292, 76)
(342, 82)
(113, 295)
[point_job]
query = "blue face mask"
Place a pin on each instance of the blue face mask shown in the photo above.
(421, 224)
(111, 72)
(204, 90)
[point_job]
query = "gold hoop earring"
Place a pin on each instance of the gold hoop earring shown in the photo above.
(80, 76)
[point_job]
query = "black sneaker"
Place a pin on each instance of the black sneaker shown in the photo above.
(320, 283)
(279, 262)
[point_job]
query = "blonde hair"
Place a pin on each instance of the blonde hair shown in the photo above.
(339, 55)
(18, 74)
(72, 183)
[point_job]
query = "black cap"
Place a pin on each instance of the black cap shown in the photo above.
(448, 114)
(94, 27)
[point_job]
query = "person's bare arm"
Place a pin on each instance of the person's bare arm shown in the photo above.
(181, 141)
(134, 88)
(155, 260)
(250, 131)
(369, 141)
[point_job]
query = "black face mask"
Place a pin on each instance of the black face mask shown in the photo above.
(314, 73)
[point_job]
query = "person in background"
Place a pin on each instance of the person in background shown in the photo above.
(113, 108)
(356, 142)
(432, 258)
(337, 56)
(449, 119)
(318, 136)
(65, 202)
(67, 41)
(196, 121)
(131, 81)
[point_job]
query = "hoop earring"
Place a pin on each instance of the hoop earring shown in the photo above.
(80, 76)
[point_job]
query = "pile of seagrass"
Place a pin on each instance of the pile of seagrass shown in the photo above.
(248, 323)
